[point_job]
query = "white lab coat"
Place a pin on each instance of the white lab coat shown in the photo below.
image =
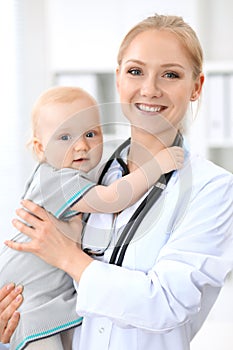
(172, 271)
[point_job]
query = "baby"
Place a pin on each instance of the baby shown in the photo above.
(68, 142)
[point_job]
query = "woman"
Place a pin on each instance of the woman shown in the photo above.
(153, 287)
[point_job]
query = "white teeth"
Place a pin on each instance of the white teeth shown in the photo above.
(149, 109)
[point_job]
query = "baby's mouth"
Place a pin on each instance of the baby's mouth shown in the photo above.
(79, 160)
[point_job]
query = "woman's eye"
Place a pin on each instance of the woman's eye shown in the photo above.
(65, 137)
(171, 75)
(135, 71)
(90, 134)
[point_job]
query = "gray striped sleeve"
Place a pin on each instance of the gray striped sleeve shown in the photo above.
(57, 190)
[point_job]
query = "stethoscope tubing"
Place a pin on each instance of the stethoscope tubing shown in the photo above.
(134, 222)
(131, 227)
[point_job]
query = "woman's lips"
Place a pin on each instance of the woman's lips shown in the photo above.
(149, 108)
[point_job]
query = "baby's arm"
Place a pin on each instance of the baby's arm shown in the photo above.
(169, 159)
(126, 191)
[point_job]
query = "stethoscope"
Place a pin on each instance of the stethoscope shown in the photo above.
(139, 214)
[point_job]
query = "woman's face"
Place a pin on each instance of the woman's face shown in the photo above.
(155, 81)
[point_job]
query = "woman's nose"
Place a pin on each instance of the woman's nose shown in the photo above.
(151, 87)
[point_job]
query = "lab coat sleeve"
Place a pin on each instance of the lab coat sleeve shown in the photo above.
(194, 262)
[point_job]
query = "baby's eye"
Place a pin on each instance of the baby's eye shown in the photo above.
(171, 75)
(65, 137)
(90, 134)
(135, 71)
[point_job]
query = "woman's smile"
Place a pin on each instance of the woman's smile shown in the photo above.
(151, 108)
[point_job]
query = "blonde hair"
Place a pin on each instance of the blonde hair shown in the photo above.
(174, 24)
(58, 94)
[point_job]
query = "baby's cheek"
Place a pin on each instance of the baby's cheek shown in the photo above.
(56, 155)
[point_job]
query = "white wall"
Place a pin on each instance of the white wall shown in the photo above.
(24, 75)
(86, 34)
(216, 28)
(9, 181)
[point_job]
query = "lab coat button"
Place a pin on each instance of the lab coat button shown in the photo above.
(101, 330)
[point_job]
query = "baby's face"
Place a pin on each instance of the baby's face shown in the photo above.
(70, 135)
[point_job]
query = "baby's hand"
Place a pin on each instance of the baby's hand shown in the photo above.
(171, 158)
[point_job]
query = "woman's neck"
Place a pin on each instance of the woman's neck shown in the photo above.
(144, 146)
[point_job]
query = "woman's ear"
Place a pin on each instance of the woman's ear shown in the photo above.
(197, 87)
(38, 148)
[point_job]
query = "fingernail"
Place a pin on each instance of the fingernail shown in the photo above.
(10, 286)
(18, 288)
(18, 298)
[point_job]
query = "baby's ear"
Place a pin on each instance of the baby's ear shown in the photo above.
(38, 149)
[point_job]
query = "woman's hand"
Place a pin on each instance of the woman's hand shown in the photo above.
(49, 240)
(10, 299)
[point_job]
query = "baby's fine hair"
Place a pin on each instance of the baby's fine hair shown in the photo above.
(54, 95)
(173, 24)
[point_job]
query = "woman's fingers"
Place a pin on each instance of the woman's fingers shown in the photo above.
(6, 290)
(30, 221)
(32, 216)
(8, 294)
(35, 209)
(25, 247)
(22, 227)
(10, 328)
(10, 299)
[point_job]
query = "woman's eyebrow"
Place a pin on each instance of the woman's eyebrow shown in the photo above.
(169, 65)
(135, 61)
(165, 65)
